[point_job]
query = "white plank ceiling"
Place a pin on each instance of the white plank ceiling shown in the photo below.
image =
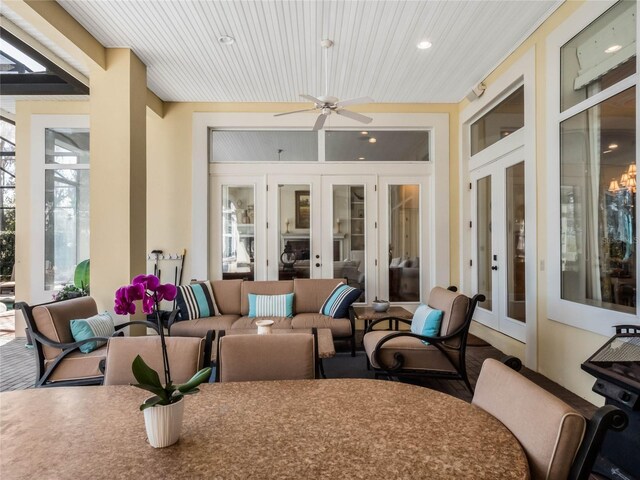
(277, 54)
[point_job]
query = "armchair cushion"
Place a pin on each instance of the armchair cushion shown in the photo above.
(78, 365)
(271, 305)
(338, 302)
(426, 321)
(196, 300)
(100, 325)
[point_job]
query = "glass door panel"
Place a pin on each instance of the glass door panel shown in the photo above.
(238, 232)
(484, 242)
(349, 227)
(404, 243)
(294, 231)
(515, 207)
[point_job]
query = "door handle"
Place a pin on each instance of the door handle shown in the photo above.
(494, 267)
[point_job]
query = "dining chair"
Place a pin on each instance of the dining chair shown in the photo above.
(559, 443)
(186, 356)
(252, 357)
(59, 361)
(407, 354)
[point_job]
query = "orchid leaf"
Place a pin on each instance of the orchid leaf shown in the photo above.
(144, 374)
(202, 376)
(159, 391)
(151, 402)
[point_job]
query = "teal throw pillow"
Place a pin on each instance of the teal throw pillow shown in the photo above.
(271, 305)
(100, 325)
(426, 321)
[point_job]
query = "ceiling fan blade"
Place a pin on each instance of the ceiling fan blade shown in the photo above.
(320, 121)
(355, 116)
(312, 99)
(295, 111)
(354, 101)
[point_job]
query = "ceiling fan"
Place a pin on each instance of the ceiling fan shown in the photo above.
(328, 104)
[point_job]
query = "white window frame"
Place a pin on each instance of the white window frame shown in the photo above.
(586, 317)
(437, 168)
(522, 72)
(39, 123)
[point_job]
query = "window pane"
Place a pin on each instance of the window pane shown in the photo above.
(601, 55)
(485, 246)
(231, 146)
(349, 221)
(376, 146)
(500, 122)
(67, 146)
(66, 224)
(295, 228)
(516, 307)
(238, 232)
(404, 243)
(598, 198)
(7, 199)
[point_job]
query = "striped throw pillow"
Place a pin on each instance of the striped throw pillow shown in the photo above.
(426, 321)
(100, 325)
(338, 302)
(196, 301)
(271, 305)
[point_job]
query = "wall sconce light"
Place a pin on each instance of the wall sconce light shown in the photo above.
(613, 186)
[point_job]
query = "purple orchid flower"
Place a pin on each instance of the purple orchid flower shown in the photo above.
(166, 291)
(150, 282)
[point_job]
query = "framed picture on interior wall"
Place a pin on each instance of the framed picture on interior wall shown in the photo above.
(303, 209)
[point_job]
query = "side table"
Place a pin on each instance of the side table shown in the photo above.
(368, 315)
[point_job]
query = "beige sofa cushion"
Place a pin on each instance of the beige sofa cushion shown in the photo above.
(266, 287)
(185, 357)
(78, 365)
(310, 294)
(266, 357)
(53, 320)
(416, 354)
(227, 295)
(340, 327)
(200, 326)
(548, 429)
(250, 322)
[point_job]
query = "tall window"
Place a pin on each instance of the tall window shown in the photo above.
(598, 163)
(66, 204)
(7, 198)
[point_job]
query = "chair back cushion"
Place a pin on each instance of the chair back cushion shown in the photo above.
(185, 357)
(549, 430)
(244, 358)
(266, 287)
(227, 295)
(53, 320)
(312, 292)
(454, 305)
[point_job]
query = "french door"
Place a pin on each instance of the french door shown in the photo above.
(498, 244)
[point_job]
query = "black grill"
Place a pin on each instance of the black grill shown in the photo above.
(616, 367)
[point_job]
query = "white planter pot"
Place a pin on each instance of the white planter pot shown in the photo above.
(164, 423)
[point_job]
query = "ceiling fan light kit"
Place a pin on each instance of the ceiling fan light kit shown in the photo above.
(328, 104)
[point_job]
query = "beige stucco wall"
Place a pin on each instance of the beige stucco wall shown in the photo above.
(560, 348)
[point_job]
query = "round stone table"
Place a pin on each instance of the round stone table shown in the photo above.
(309, 429)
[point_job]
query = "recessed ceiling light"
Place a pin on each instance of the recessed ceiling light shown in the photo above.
(607, 151)
(424, 45)
(360, 158)
(364, 133)
(613, 49)
(613, 145)
(226, 40)
(372, 140)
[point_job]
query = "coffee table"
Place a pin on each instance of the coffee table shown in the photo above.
(326, 348)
